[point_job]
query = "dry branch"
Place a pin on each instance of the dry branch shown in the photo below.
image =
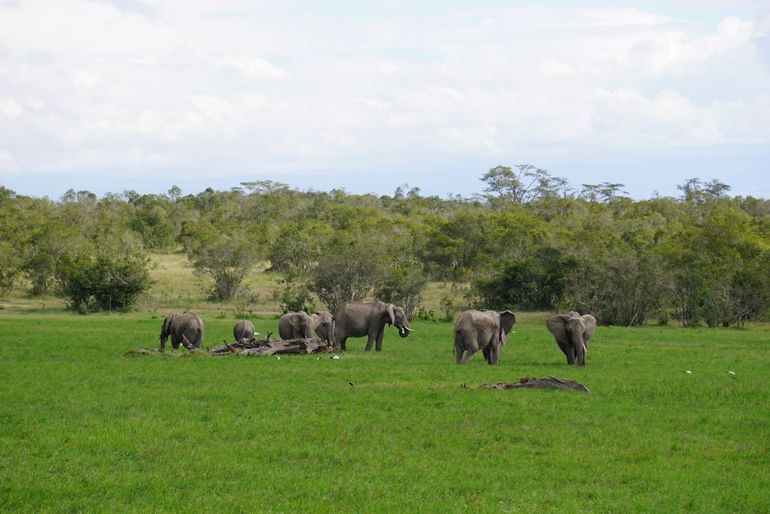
(548, 382)
(271, 347)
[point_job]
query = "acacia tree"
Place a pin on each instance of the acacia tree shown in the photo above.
(527, 184)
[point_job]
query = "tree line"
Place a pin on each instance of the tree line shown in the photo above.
(531, 241)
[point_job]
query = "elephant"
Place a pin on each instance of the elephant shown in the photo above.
(572, 333)
(185, 329)
(295, 325)
(483, 329)
(244, 329)
(323, 325)
(355, 319)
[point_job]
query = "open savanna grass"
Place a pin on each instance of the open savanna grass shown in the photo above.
(175, 284)
(83, 428)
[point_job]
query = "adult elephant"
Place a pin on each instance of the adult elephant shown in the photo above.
(572, 333)
(185, 329)
(244, 329)
(354, 319)
(295, 325)
(323, 325)
(485, 330)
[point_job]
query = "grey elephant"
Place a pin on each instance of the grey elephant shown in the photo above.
(482, 329)
(295, 325)
(185, 329)
(354, 319)
(244, 329)
(572, 333)
(323, 325)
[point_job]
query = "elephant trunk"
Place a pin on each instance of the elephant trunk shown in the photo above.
(404, 330)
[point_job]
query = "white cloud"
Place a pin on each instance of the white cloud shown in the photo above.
(6, 158)
(255, 67)
(119, 85)
(10, 108)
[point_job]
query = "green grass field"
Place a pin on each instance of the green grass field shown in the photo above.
(83, 428)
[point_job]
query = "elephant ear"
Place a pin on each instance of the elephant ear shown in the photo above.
(392, 314)
(558, 326)
(590, 323)
(507, 319)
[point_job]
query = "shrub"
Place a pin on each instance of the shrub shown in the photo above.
(294, 295)
(227, 259)
(103, 281)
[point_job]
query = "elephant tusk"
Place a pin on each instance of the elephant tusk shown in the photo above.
(408, 329)
(585, 348)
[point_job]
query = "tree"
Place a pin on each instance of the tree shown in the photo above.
(402, 283)
(226, 259)
(351, 269)
(10, 248)
(104, 280)
(10, 266)
(524, 185)
(536, 282)
(698, 191)
(226, 256)
(604, 192)
(708, 257)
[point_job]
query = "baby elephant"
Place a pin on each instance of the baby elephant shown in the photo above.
(323, 325)
(295, 325)
(483, 329)
(244, 329)
(572, 333)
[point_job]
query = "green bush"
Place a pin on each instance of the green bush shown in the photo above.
(103, 282)
(294, 295)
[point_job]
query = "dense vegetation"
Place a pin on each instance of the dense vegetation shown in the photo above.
(530, 242)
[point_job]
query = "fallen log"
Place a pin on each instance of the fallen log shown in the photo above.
(261, 347)
(548, 382)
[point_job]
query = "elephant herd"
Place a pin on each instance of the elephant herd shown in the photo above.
(353, 319)
(475, 330)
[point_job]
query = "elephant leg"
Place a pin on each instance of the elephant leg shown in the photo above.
(571, 356)
(494, 354)
(487, 350)
(469, 351)
(370, 340)
(378, 341)
(343, 345)
(459, 353)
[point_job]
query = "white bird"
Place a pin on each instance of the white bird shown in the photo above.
(688, 372)
(335, 357)
(731, 372)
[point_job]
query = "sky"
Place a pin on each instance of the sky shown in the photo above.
(116, 95)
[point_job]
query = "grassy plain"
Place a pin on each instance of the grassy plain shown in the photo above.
(83, 428)
(176, 285)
